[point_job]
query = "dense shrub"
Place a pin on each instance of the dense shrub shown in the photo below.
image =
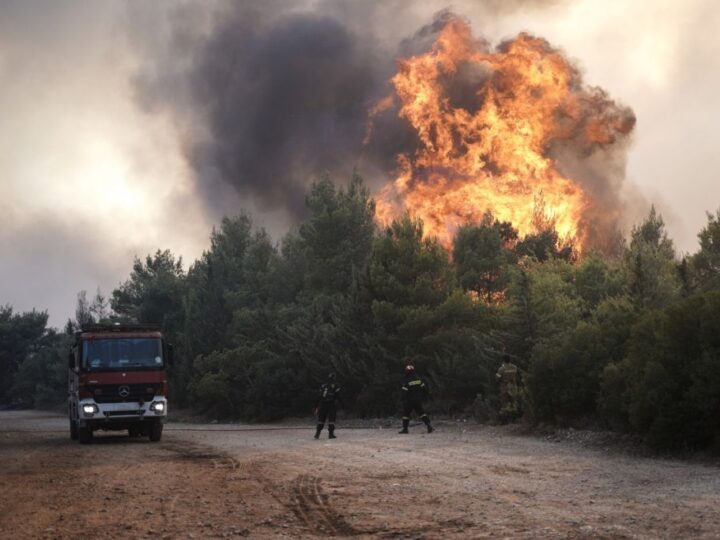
(668, 386)
(251, 382)
(564, 378)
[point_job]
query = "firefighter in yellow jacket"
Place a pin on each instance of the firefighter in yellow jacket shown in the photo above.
(509, 394)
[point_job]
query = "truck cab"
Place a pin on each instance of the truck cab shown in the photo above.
(117, 380)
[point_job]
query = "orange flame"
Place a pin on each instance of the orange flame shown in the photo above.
(491, 151)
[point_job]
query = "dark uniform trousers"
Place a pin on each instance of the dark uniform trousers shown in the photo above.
(327, 411)
(411, 406)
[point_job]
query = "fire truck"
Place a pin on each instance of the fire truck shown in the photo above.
(117, 380)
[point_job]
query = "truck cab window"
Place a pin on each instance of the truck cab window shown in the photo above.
(122, 353)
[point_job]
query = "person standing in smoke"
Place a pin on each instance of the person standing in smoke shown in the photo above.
(414, 392)
(326, 407)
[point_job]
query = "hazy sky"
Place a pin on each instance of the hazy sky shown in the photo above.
(89, 179)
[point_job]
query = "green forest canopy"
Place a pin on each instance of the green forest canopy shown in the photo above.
(630, 343)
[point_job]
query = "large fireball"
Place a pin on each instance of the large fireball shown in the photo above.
(488, 124)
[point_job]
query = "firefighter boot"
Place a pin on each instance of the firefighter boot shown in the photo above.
(318, 430)
(426, 419)
(331, 431)
(406, 423)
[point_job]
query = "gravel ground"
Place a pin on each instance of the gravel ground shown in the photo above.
(229, 480)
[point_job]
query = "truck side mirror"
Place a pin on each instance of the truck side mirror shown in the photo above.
(170, 353)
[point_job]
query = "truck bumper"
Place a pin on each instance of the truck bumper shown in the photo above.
(120, 415)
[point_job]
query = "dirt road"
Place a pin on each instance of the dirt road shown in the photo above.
(472, 483)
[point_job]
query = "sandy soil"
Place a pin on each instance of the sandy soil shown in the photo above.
(205, 481)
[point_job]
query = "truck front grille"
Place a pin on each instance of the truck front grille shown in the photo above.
(121, 393)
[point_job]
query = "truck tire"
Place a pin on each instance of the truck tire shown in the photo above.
(73, 430)
(156, 430)
(85, 435)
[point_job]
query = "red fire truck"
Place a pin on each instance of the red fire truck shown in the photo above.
(117, 380)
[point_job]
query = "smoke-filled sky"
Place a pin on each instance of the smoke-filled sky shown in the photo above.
(128, 127)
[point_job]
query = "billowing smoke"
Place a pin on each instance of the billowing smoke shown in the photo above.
(282, 104)
(272, 101)
(269, 97)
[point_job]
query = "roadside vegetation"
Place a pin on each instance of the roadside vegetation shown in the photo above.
(629, 342)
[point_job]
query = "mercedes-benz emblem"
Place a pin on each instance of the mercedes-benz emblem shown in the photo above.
(124, 391)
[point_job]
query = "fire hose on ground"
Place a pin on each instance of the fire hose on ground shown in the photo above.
(221, 430)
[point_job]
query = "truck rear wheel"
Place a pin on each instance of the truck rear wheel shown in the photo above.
(156, 430)
(85, 435)
(73, 430)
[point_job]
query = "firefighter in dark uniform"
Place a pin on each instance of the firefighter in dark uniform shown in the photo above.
(414, 392)
(327, 406)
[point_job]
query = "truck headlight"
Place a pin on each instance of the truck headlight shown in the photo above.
(89, 409)
(157, 406)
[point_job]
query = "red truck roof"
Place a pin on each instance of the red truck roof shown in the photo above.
(105, 335)
(104, 331)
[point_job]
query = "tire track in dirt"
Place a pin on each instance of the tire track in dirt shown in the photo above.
(311, 505)
(353, 466)
(202, 453)
(220, 465)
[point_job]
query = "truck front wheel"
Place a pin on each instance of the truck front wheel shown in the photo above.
(85, 435)
(156, 430)
(73, 430)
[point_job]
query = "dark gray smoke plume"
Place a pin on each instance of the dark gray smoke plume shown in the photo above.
(282, 103)
(274, 101)
(270, 95)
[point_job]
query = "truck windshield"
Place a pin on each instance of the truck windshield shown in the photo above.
(122, 353)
